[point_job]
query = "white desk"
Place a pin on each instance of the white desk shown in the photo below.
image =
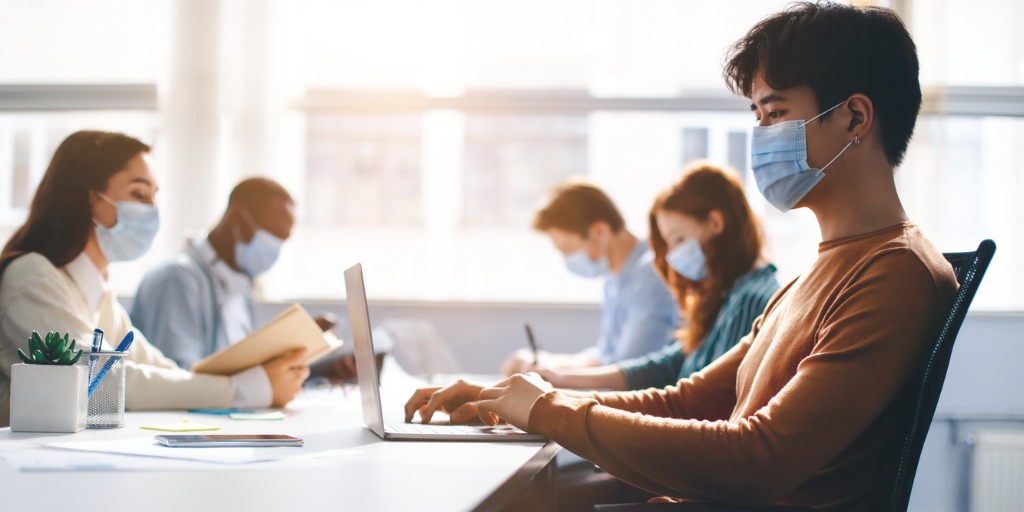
(355, 470)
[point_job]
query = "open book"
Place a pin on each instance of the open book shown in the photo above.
(292, 329)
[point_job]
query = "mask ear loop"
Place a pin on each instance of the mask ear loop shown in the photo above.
(104, 197)
(825, 112)
(847, 146)
(856, 139)
(606, 245)
(248, 220)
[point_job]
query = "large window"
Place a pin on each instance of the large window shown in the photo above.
(627, 93)
(418, 136)
(69, 42)
(28, 140)
(364, 170)
(69, 66)
(511, 161)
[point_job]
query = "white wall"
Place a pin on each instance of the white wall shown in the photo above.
(983, 389)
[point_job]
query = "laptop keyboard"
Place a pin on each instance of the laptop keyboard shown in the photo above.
(420, 428)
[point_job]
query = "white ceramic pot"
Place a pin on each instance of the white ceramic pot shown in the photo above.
(48, 398)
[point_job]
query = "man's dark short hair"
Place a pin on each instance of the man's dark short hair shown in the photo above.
(836, 50)
(255, 193)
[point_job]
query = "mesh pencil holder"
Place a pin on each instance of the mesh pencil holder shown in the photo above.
(106, 389)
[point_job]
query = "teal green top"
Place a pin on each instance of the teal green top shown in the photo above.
(746, 300)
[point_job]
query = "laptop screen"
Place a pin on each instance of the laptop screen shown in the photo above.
(366, 367)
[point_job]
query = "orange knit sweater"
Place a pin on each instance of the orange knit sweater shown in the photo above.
(808, 409)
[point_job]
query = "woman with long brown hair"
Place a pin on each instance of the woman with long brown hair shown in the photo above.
(708, 249)
(96, 205)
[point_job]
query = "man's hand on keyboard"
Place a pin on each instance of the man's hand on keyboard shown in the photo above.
(459, 400)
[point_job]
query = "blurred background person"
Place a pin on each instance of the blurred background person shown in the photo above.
(638, 314)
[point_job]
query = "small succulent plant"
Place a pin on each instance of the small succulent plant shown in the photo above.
(54, 350)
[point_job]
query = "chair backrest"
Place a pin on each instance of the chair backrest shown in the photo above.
(969, 268)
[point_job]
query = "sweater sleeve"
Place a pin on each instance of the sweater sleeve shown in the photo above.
(708, 394)
(867, 345)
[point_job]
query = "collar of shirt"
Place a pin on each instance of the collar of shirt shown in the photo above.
(230, 281)
(88, 279)
(637, 257)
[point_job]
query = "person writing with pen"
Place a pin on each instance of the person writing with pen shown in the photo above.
(96, 205)
(638, 314)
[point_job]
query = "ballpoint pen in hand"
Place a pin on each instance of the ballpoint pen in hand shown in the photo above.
(532, 342)
(121, 347)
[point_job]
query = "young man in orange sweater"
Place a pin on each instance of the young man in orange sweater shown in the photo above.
(808, 408)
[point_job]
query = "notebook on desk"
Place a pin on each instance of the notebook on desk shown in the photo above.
(369, 390)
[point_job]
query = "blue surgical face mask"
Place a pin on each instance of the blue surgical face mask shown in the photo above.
(579, 263)
(133, 233)
(779, 160)
(688, 260)
(259, 254)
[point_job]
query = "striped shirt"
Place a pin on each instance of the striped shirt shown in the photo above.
(746, 300)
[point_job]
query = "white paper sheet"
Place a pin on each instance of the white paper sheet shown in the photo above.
(147, 447)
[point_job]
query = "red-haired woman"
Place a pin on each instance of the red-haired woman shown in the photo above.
(708, 249)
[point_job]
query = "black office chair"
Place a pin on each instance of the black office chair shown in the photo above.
(969, 268)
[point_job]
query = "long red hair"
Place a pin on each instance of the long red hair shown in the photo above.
(729, 255)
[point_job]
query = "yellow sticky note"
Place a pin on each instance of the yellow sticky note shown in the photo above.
(184, 426)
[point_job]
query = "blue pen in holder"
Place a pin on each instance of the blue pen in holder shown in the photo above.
(106, 389)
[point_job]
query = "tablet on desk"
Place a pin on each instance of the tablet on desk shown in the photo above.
(226, 440)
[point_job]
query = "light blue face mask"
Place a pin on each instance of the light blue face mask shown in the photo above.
(133, 233)
(579, 263)
(257, 256)
(779, 160)
(688, 260)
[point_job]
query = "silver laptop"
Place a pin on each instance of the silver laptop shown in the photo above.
(373, 414)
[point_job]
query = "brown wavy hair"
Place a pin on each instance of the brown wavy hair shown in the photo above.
(734, 252)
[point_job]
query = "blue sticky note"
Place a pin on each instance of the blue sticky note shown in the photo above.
(222, 412)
